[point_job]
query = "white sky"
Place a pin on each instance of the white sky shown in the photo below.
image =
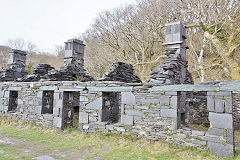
(48, 23)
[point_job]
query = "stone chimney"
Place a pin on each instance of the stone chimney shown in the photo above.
(17, 58)
(175, 39)
(173, 69)
(16, 63)
(74, 53)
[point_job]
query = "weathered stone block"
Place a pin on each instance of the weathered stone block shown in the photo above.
(120, 129)
(128, 98)
(223, 120)
(38, 109)
(5, 108)
(174, 102)
(48, 88)
(228, 103)
(56, 95)
(137, 118)
(14, 88)
(86, 127)
(216, 131)
(110, 89)
(210, 103)
(127, 120)
(147, 101)
(56, 111)
(58, 103)
(219, 105)
(168, 113)
(212, 138)
(132, 112)
(48, 116)
(6, 94)
(109, 127)
(96, 104)
(197, 133)
(219, 94)
(179, 136)
(57, 122)
(1, 94)
(164, 101)
(83, 117)
(40, 94)
(170, 93)
(92, 119)
(1, 106)
(221, 150)
(20, 102)
(230, 136)
(83, 99)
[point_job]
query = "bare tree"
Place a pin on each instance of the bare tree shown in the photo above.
(219, 22)
(59, 51)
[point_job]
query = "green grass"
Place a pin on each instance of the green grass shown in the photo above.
(77, 145)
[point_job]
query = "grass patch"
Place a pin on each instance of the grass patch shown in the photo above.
(87, 146)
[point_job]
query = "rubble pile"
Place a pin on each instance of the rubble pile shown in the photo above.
(42, 69)
(122, 72)
(45, 72)
(70, 73)
(170, 71)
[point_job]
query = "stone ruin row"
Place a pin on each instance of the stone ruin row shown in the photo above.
(156, 109)
(173, 69)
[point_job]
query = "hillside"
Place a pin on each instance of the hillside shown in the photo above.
(33, 58)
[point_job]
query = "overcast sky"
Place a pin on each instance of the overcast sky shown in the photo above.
(48, 23)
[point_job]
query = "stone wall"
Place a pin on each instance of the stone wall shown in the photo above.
(133, 109)
(236, 110)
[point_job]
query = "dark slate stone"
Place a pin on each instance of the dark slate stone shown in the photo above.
(230, 136)
(221, 120)
(127, 120)
(83, 117)
(168, 113)
(128, 98)
(96, 104)
(216, 131)
(210, 103)
(57, 122)
(122, 72)
(221, 150)
(228, 103)
(219, 104)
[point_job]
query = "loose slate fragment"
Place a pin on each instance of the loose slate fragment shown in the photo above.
(122, 72)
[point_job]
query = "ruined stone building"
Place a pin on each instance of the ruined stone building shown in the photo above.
(164, 107)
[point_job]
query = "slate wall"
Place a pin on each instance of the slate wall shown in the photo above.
(150, 112)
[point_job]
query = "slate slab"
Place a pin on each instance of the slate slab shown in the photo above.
(127, 120)
(83, 117)
(128, 98)
(221, 150)
(168, 113)
(221, 120)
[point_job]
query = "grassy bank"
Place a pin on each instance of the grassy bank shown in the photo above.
(28, 141)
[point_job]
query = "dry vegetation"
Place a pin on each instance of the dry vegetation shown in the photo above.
(26, 141)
